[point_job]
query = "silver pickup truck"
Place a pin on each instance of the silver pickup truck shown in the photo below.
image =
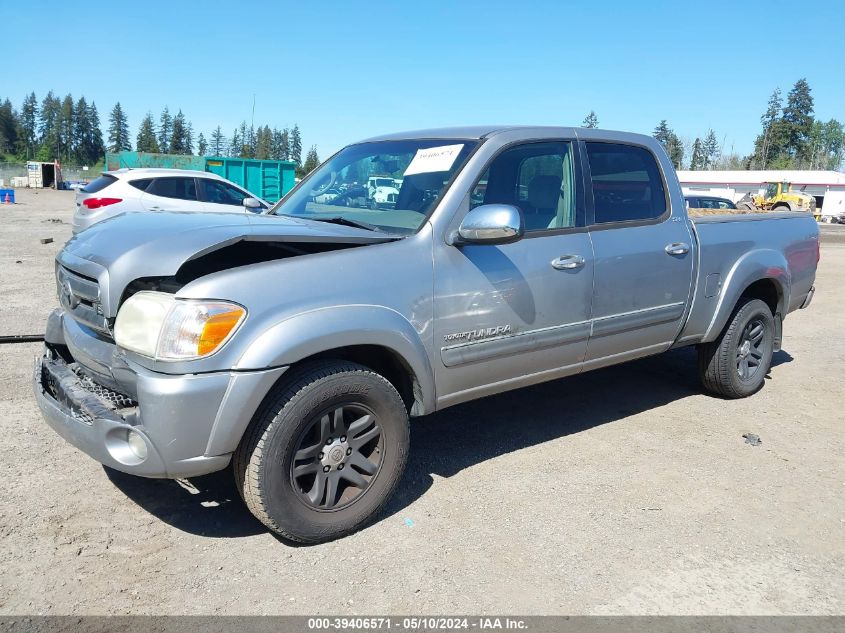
(295, 345)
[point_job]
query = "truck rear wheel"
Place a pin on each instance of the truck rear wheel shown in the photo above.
(735, 365)
(325, 454)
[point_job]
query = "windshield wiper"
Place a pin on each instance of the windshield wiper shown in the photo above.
(337, 219)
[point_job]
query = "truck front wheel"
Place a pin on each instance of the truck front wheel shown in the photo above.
(325, 453)
(735, 365)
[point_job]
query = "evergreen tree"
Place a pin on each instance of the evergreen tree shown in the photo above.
(189, 137)
(245, 149)
(28, 126)
(591, 120)
(250, 142)
(698, 160)
(276, 149)
(180, 139)
(670, 141)
(235, 146)
(710, 149)
(202, 146)
(264, 143)
(146, 140)
(218, 142)
(295, 146)
(763, 149)
(118, 130)
(82, 132)
(95, 148)
(284, 145)
(165, 129)
(312, 161)
(67, 129)
(8, 128)
(48, 128)
(798, 117)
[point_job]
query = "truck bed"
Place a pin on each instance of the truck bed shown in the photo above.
(728, 243)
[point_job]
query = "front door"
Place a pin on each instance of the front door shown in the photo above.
(221, 197)
(510, 315)
(643, 256)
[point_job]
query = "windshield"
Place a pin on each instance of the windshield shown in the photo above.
(412, 176)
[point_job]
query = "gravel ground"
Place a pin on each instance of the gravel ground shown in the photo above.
(624, 490)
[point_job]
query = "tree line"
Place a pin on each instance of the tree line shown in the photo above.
(790, 138)
(70, 131)
(56, 128)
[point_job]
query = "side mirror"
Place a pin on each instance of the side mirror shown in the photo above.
(252, 203)
(491, 224)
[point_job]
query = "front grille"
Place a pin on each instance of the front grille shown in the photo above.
(118, 400)
(80, 296)
(79, 395)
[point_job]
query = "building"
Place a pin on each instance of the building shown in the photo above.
(735, 184)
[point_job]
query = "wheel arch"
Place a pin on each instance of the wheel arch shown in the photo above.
(760, 274)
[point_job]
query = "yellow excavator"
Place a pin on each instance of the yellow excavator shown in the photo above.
(778, 196)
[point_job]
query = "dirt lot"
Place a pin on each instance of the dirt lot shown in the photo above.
(620, 491)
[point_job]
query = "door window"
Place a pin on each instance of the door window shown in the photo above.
(219, 192)
(536, 177)
(626, 183)
(177, 188)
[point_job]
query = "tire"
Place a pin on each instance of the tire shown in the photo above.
(781, 207)
(725, 365)
(284, 469)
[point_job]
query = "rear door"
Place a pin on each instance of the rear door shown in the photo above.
(172, 193)
(643, 254)
(223, 197)
(513, 314)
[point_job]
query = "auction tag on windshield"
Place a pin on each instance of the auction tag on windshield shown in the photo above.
(434, 159)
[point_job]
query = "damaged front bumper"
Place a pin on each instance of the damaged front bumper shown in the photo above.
(189, 425)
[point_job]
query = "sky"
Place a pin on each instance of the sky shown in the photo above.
(344, 71)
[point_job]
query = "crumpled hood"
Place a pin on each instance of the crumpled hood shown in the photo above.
(135, 245)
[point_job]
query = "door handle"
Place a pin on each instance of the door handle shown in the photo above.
(677, 248)
(568, 262)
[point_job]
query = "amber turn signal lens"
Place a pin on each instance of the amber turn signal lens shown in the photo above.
(216, 329)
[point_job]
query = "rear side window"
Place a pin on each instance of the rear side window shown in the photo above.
(99, 184)
(626, 183)
(177, 188)
(141, 184)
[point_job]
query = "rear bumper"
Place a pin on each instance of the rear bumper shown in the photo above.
(809, 298)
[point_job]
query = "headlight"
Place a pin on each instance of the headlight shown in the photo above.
(159, 325)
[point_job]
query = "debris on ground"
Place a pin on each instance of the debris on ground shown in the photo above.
(753, 439)
(409, 522)
(53, 221)
(46, 240)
